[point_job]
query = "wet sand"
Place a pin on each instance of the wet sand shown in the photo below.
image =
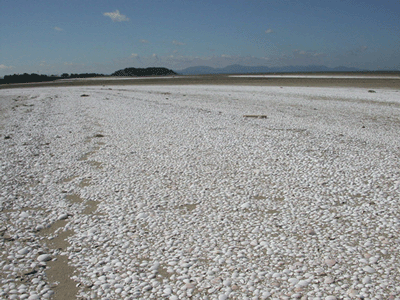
(363, 80)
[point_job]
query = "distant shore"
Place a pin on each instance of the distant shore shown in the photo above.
(358, 79)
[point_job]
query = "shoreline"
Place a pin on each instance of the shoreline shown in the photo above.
(366, 80)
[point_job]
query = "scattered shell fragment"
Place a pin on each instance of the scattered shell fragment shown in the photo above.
(44, 257)
(195, 200)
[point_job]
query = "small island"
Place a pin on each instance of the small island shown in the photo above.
(143, 72)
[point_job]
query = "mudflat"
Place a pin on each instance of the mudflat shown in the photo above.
(364, 80)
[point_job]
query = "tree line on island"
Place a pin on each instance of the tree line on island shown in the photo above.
(143, 72)
(26, 78)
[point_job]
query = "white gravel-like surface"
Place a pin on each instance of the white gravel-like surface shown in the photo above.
(169, 192)
(318, 76)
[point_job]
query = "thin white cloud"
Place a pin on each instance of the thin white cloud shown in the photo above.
(156, 58)
(358, 51)
(144, 41)
(4, 67)
(175, 42)
(72, 64)
(269, 30)
(136, 57)
(116, 16)
(58, 29)
(303, 53)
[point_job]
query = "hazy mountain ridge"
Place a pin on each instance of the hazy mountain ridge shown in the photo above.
(234, 69)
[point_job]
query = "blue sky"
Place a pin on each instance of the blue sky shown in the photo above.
(75, 36)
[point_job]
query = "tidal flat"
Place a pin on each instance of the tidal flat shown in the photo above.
(200, 191)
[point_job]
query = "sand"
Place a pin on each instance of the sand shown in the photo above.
(364, 80)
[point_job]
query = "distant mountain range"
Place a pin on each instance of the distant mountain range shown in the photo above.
(238, 69)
